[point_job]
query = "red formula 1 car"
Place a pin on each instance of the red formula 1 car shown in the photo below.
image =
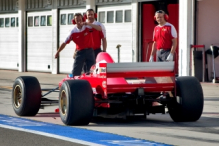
(118, 90)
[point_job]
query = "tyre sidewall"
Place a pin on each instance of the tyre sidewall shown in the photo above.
(80, 102)
(31, 96)
(191, 101)
(19, 111)
(65, 88)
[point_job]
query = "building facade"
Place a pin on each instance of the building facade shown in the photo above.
(32, 30)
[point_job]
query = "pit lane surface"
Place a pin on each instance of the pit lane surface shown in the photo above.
(159, 128)
(11, 137)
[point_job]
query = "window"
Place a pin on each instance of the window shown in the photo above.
(70, 17)
(63, 19)
(102, 17)
(119, 16)
(7, 22)
(36, 21)
(110, 17)
(30, 21)
(128, 16)
(13, 22)
(43, 21)
(49, 20)
(17, 22)
(2, 22)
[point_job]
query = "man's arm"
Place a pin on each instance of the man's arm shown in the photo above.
(97, 27)
(153, 49)
(104, 44)
(173, 48)
(174, 44)
(174, 40)
(103, 36)
(75, 53)
(60, 49)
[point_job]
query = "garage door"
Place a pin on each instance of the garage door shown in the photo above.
(66, 56)
(9, 41)
(117, 21)
(39, 41)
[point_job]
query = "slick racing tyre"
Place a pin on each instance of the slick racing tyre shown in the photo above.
(26, 96)
(76, 102)
(189, 102)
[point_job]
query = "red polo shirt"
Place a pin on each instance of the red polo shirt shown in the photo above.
(98, 35)
(81, 37)
(163, 36)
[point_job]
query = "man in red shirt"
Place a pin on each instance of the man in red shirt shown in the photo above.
(165, 38)
(82, 37)
(98, 36)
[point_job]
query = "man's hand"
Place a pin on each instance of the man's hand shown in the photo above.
(84, 23)
(97, 27)
(57, 55)
(170, 57)
(151, 59)
(60, 49)
(75, 53)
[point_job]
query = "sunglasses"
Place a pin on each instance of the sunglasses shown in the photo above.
(160, 11)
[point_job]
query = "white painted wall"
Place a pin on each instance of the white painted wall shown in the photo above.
(186, 35)
(22, 36)
(54, 40)
(207, 22)
(135, 30)
(207, 31)
(90, 4)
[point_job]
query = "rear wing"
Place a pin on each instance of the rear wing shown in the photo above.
(162, 74)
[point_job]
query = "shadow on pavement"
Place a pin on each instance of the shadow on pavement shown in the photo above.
(203, 122)
(47, 115)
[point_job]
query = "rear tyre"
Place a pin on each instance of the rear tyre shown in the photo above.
(26, 96)
(76, 102)
(189, 102)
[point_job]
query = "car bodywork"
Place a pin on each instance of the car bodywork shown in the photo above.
(123, 90)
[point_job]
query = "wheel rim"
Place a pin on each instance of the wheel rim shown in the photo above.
(63, 103)
(17, 96)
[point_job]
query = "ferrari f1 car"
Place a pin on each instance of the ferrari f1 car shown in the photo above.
(119, 90)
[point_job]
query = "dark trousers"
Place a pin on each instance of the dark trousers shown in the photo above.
(162, 56)
(83, 56)
(96, 52)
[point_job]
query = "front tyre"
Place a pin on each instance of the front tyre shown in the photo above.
(26, 96)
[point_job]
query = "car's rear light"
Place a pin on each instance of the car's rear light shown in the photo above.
(102, 69)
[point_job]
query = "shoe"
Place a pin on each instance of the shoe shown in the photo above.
(70, 75)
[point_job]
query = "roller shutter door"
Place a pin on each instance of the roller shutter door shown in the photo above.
(39, 41)
(117, 21)
(9, 41)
